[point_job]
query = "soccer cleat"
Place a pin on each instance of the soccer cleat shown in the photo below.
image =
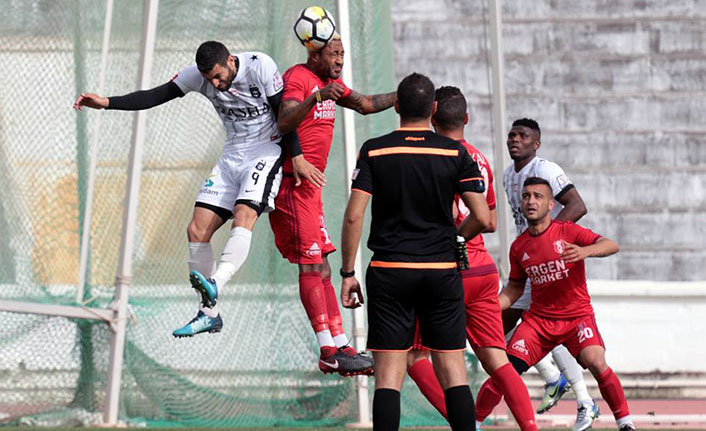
(200, 323)
(206, 287)
(346, 362)
(350, 351)
(586, 414)
(627, 427)
(553, 393)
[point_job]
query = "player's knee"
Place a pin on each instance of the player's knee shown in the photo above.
(245, 216)
(518, 364)
(325, 269)
(491, 358)
(196, 233)
(595, 364)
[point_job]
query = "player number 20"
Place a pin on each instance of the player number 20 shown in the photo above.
(584, 334)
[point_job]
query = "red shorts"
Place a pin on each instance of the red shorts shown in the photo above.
(298, 223)
(484, 325)
(536, 336)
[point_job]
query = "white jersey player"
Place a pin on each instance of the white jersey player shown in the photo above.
(523, 142)
(245, 89)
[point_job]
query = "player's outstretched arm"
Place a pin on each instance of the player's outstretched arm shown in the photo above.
(134, 101)
(478, 218)
(601, 248)
(368, 104)
(510, 293)
(574, 207)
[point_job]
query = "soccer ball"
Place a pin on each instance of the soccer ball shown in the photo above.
(314, 27)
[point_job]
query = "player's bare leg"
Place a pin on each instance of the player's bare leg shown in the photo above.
(421, 370)
(390, 368)
(593, 357)
(210, 285)
(450, 369)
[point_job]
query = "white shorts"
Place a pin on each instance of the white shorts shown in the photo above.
(251, 176)
(523, 303)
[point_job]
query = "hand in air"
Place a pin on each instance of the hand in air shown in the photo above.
(351, 294)
(90, 100)
(303, 169)
(573, 253)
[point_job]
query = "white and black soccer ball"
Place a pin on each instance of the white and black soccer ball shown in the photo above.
(314, 27)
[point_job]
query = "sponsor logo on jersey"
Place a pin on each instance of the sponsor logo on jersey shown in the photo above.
(414, 138)
(519, 346)
(209, 181)
(324, 110)
(245, 113)
(525, 257)
(547, 272)
(314, 250)
(254, 91)
(559, 246)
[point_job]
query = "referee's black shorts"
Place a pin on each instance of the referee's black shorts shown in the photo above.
(431, 292)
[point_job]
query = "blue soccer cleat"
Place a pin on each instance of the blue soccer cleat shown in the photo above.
(206, 287)
(553, 393)
(200, 323)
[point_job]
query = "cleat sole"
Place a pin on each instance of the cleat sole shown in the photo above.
(196, 284)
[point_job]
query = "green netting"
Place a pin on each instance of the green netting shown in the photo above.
(261, 370)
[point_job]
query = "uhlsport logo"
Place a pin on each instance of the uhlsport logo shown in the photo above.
(519, 346)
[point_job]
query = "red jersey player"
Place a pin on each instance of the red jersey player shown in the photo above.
(551, 255)
(311, 93)
(484, 327)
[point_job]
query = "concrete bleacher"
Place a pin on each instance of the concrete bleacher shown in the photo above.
(618, 89)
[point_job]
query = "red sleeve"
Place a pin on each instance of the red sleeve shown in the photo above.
(346, 91)
(582, 236)
(517, 272)
(295, 87)
(490, 197)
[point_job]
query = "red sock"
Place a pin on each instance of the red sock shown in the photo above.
(335, 321)
(311, 291)
(613, 394)
(516, 395)
(422, 372)
(488, 397)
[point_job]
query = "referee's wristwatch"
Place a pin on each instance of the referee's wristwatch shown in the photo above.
(345, 274)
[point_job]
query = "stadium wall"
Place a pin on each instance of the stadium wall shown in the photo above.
(618, 88)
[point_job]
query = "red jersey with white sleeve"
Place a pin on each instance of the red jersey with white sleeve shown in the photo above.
(479, 260)
(316, 130)
(558, 288)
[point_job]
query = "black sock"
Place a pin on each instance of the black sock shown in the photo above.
(386, 410)
(459, 406)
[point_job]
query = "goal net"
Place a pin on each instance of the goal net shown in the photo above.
(261, 370)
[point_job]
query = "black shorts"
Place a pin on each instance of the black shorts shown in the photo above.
(395, 296)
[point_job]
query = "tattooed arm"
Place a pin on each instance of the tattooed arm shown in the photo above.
(368, 104)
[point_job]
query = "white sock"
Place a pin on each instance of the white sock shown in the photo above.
(210, 312)
(340, 340)
(573, 373)
(624, 420)
(478, 424)
(549, 373)
(325, 339)
(234, 254)
(201, 258)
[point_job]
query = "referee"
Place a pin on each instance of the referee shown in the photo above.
(412, 175)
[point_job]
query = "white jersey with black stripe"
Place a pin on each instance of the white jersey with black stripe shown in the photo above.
(537, 167)
(247, 116)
